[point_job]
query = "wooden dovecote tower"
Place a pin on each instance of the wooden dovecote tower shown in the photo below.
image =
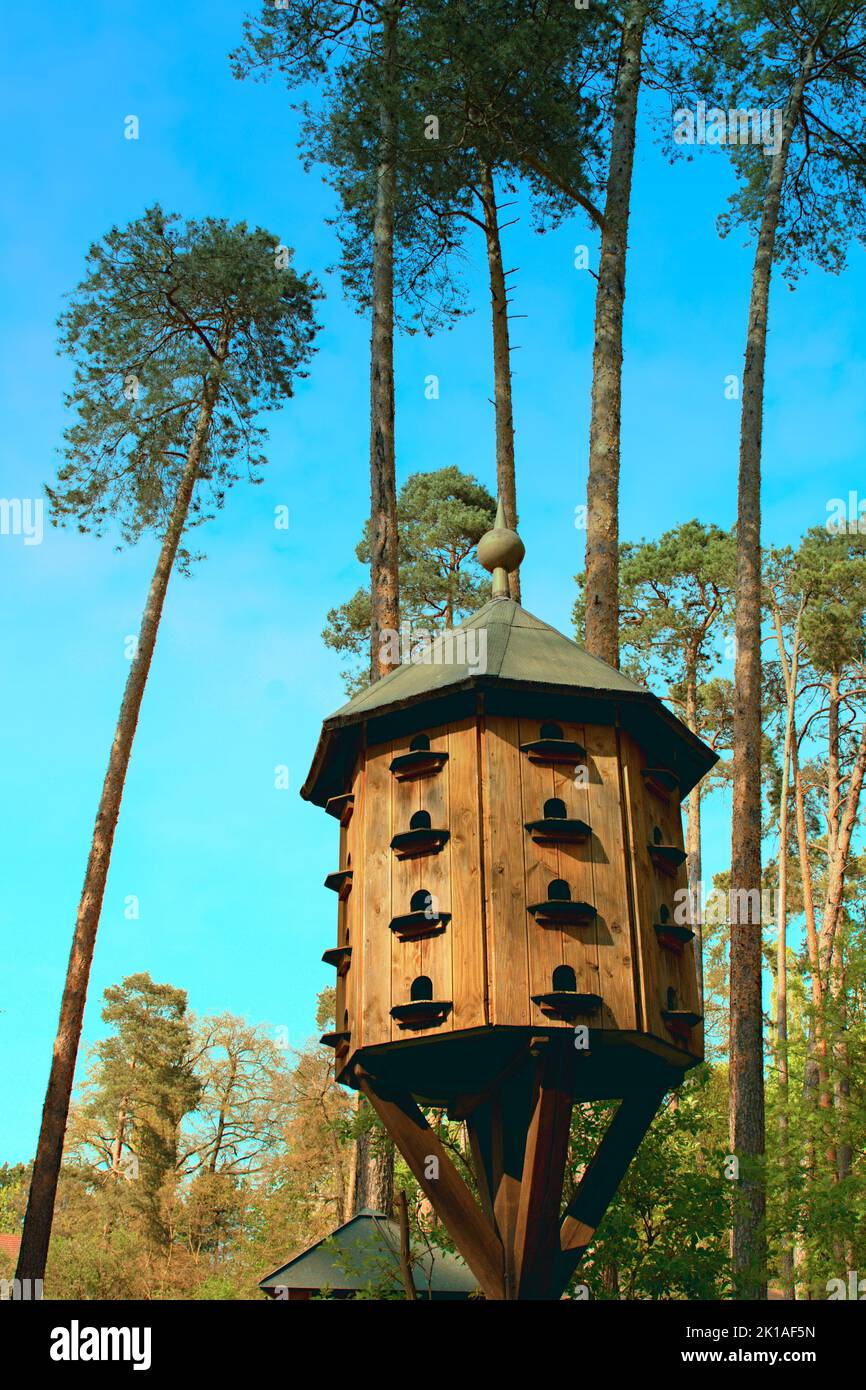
(512, 921)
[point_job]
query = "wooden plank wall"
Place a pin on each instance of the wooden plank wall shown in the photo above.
(342, 1019)
(505, 886)
(454, 960)
(615, 931)
(660, 969)
(490, 871)
(374, 887)
(353, 916)
(524, 954)
(467, 923)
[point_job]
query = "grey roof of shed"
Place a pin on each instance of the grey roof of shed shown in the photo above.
(518, 652)
(362, 1251)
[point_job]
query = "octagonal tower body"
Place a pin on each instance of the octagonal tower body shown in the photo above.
(511, 862)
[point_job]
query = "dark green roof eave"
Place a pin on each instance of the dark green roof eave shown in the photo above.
(704, 756)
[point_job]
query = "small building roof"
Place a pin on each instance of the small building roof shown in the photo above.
(503, 649)
(366, 1250)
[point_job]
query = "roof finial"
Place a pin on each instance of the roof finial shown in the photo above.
(500, 551)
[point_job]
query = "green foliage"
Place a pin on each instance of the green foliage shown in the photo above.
(260, 1164)
(676, 604)
(515, 85)
(339, 46)
(441, 517)
(14, 1183)
(676, 596)
(752, 59)
(145, 1087)
(666, 1233)
(819, 1211)
(326, 1009)
(830, 569)
(508, 82)
(163, 307)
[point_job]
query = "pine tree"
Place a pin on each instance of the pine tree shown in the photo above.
(179, 335)
(802, 194)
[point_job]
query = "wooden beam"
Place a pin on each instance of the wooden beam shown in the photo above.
(536, 1234)
(463, 1105)
(510, 1120)
(478, 1127)
(603, 1176)
(497, 1135)
(451, 1199)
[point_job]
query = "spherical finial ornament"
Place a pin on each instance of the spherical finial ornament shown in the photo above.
(500, 551)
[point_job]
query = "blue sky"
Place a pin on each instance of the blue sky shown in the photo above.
(227, 869)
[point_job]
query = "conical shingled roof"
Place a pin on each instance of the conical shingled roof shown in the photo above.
(506, 650)
(516, 647)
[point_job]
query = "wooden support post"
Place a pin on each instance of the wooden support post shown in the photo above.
(603, 1175)
(497, 1135)
(536, 1234)
(452, 1200)
(510, 1120)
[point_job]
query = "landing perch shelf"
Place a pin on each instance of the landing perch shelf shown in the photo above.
(414, 926)
(558, 830)
(338, 1041)
(673, 938)
(661, 782)
(412, 844)
(567, 1004)
(421, 1013)
(341, 807)
(421, 762)
(554, 752)
(340, 957)
(562, 912)
(340, 882)
(666, 858)
(680, 1023)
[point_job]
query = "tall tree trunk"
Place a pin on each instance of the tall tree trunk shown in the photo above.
(506, 486)
(838, 864)
(749, 1244)
(693, 833)
(373, 1173)
(55, 1111)
(815, 1075)
(833, 765)
(787, 1251)
(120, 1130)
(384, 588)
(806, 885)
(602, 489)
(841, 1063)
(338, 1155)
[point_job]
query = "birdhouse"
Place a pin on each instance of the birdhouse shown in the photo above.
(512, 919)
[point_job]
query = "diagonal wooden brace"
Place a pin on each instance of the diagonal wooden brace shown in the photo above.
(603, 1175)
(449, 1195)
